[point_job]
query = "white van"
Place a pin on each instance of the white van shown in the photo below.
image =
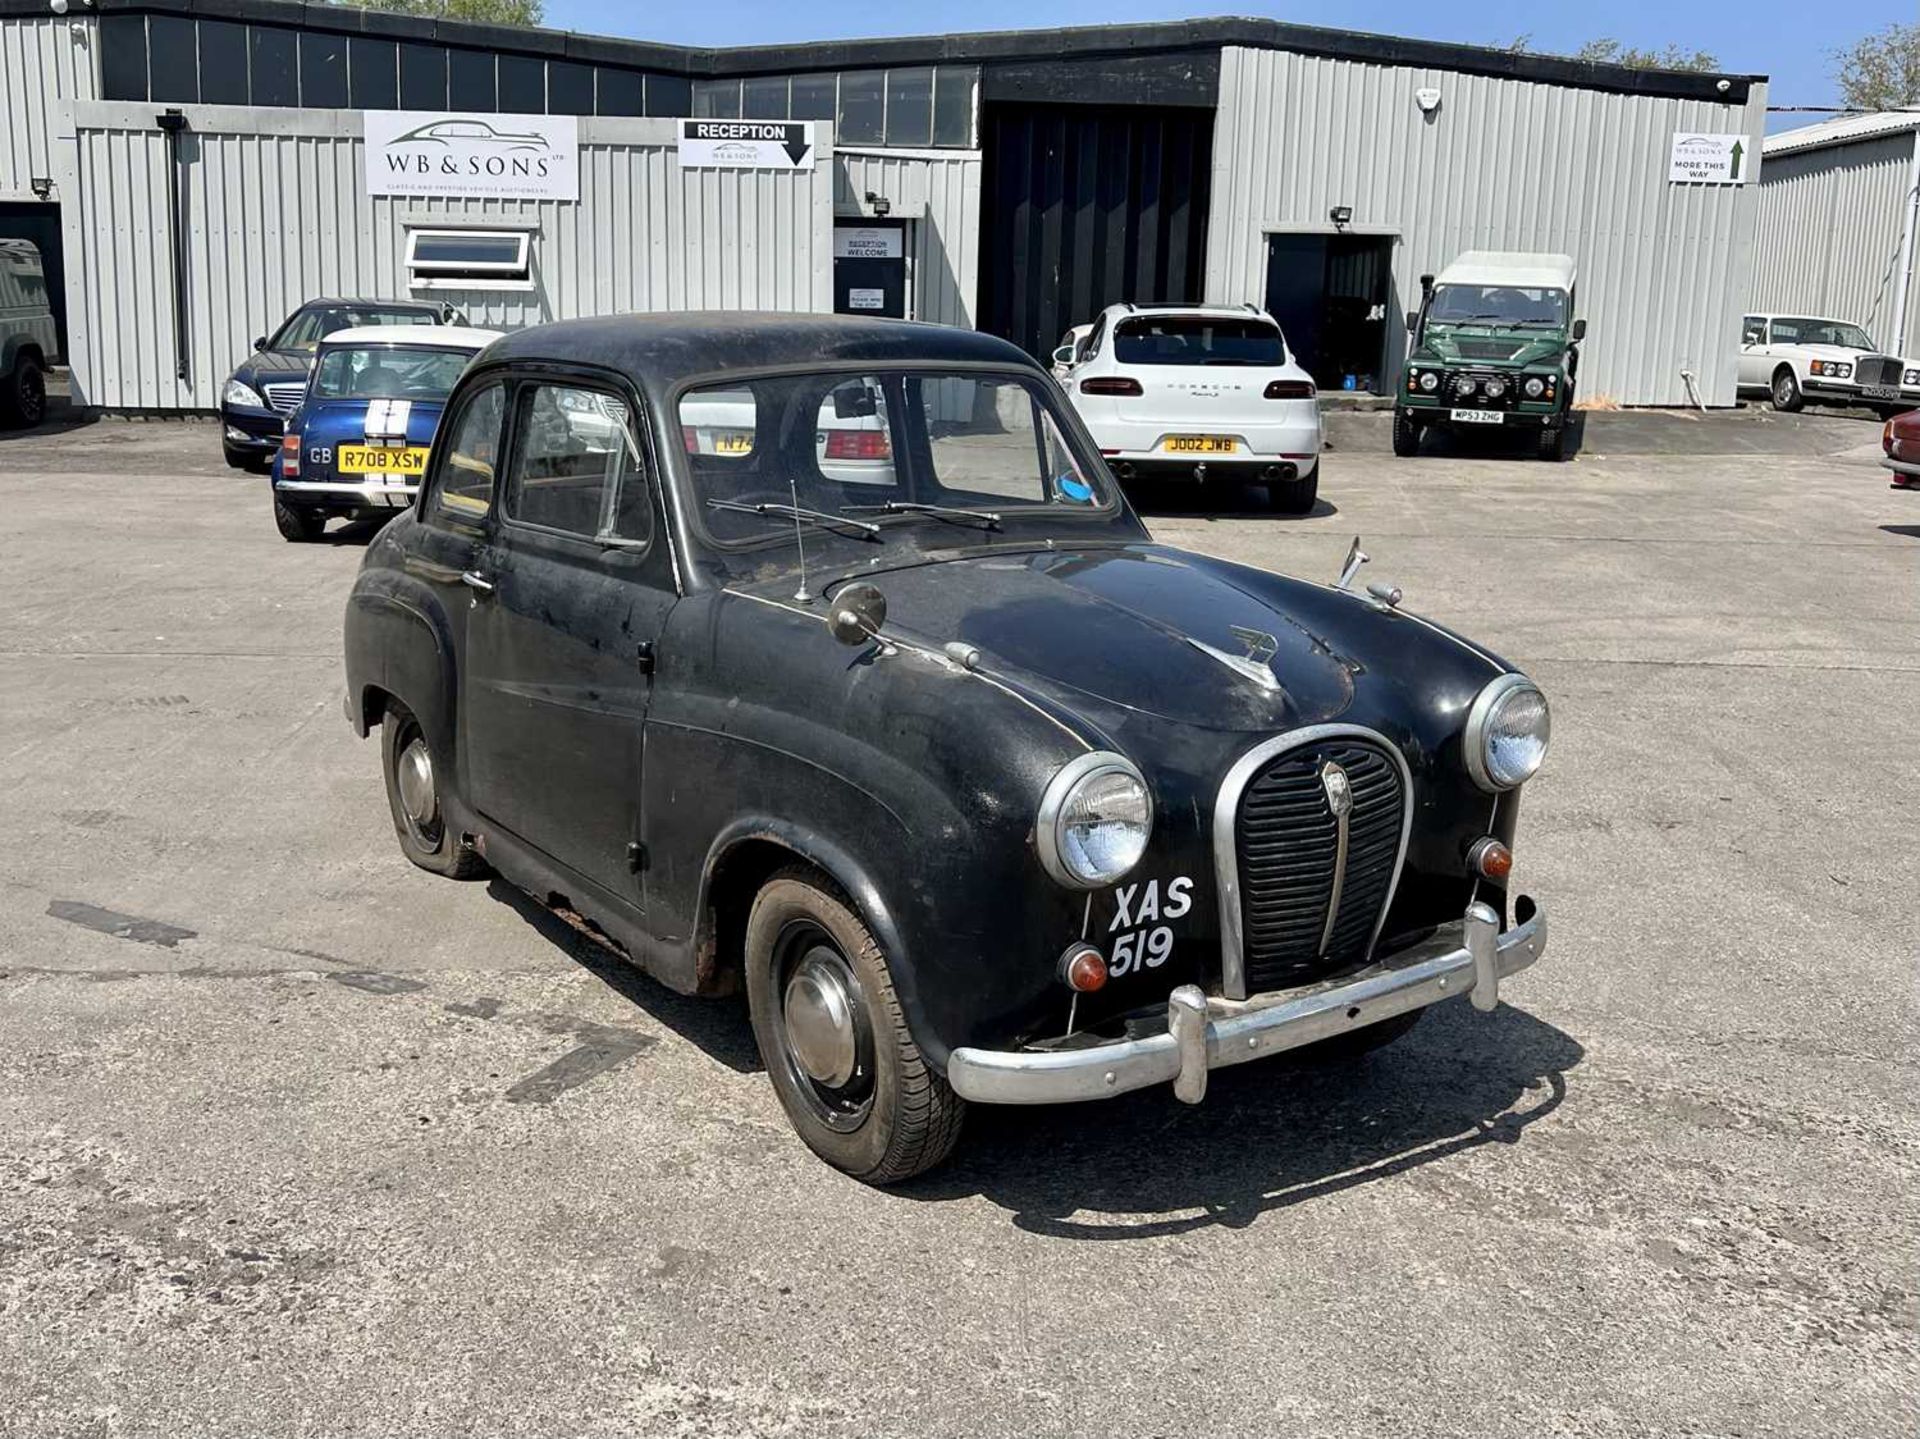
(28, 343)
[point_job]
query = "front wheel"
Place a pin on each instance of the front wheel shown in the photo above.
(1786, 392)
(836, 1046)
(414, 797)
(23, 396)
(1406, 435)
(1551, 443)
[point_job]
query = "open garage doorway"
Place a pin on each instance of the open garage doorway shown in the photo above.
(1332, 292)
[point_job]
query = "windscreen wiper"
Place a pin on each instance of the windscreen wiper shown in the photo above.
(797, 512)
(945, 512)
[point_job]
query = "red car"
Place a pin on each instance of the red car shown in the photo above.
(1901, 440)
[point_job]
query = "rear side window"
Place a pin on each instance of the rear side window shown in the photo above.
(464, 489)
(1197, 340)
(576, 468)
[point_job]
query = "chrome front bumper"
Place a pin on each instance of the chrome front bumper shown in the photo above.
(1203, 1034)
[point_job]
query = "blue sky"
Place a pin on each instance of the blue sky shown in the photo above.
(1786, 39)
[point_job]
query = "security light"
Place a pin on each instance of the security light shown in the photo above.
(879, 204)
(1341, 215)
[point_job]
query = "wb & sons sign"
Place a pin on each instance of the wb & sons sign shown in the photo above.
(509, 157)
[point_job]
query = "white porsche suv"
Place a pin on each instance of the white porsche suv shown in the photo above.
(1201, 392)
(1796, 360)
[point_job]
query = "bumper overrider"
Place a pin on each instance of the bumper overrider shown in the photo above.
(1470, 957)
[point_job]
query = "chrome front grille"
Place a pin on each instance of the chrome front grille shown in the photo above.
(1309, 887)
(1877, 370)
(286, 397)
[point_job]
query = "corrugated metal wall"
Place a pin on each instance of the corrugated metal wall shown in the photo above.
(1830, 232)
(278, 212)
(939, 190)
(1665, 269)
(42, 61)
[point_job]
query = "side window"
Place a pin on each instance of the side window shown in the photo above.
(302, 332)
(576, 467)
(464, 488)
(1753, 331)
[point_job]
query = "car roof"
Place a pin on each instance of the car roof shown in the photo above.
(441, 337)
(425, 307)
(1803, 315)
(659, 349)
(1526, 269)
(1170, 307)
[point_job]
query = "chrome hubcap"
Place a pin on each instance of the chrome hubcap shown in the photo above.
(819, 1018)
(415, 773)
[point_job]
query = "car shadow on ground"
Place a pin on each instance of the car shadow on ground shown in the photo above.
(1497, 443)
(61, 419)
(354, 532)
(1268, 1136)
(1906, 532)
(717, 1027)
(1168, 502)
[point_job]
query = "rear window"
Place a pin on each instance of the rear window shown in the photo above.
(1197, 340)
(386, 372)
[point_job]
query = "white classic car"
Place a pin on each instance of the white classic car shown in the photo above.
(1795, 359)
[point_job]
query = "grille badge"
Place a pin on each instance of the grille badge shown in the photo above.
(1339, 788)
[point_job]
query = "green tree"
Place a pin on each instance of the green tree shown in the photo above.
(495, 12)
(1881, 71)
(1671, 57)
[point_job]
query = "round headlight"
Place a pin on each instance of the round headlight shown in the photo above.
(1430, 382)
(237, 393)
(1535, 387)
(1094, 821)
(1463, 386)
(1507, 732)
(1496, 387)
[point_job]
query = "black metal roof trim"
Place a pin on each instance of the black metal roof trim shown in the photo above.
(984, 47)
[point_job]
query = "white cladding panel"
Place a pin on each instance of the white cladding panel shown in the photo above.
(938, 191)
(1830, 241)
(278, 213)
(1502, 164)
(44, 61)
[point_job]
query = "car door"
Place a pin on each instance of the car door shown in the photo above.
(1753, 352)
(574, 590)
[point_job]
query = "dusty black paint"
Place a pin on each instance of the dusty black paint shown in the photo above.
(120, 926)
(912, 782)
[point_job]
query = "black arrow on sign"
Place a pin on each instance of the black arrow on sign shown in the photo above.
(797, 143)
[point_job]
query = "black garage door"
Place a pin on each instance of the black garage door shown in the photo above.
(1087, 207)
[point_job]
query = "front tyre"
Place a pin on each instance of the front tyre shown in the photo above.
(1551, 443)
(414, 796)
(1786, 392)
(23, 394)
(1406, 435)
(836, 1046)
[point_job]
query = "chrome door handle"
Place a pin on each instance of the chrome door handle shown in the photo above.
(474, 580)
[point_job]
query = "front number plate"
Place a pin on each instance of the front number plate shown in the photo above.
(1478, 417)
(1199, 445)
(382, 460)
(1880, 392)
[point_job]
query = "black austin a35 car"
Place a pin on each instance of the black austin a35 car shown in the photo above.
(822, 657)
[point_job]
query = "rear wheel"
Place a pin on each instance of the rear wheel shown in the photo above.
(23, 397)
(1406, 435)
(414, 797)
(852, 1081)
(1786, 391)
(297, 523)
(1295, 497)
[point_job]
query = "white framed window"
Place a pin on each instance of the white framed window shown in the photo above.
(469, 259)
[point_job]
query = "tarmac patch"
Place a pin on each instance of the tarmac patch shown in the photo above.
(120, 926)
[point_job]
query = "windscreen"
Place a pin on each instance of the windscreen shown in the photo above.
(385, 372)
(892, 450)
(1198, 340)
(1821, 332)
(1498, 305)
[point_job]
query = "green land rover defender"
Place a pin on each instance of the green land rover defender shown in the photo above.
(1493, 344)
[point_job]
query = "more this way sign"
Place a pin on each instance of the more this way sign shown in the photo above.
(509, 157)
(1707, 159)
(746, 144)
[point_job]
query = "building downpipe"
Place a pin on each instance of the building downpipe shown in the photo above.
(174, 123)
(1907, 227)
